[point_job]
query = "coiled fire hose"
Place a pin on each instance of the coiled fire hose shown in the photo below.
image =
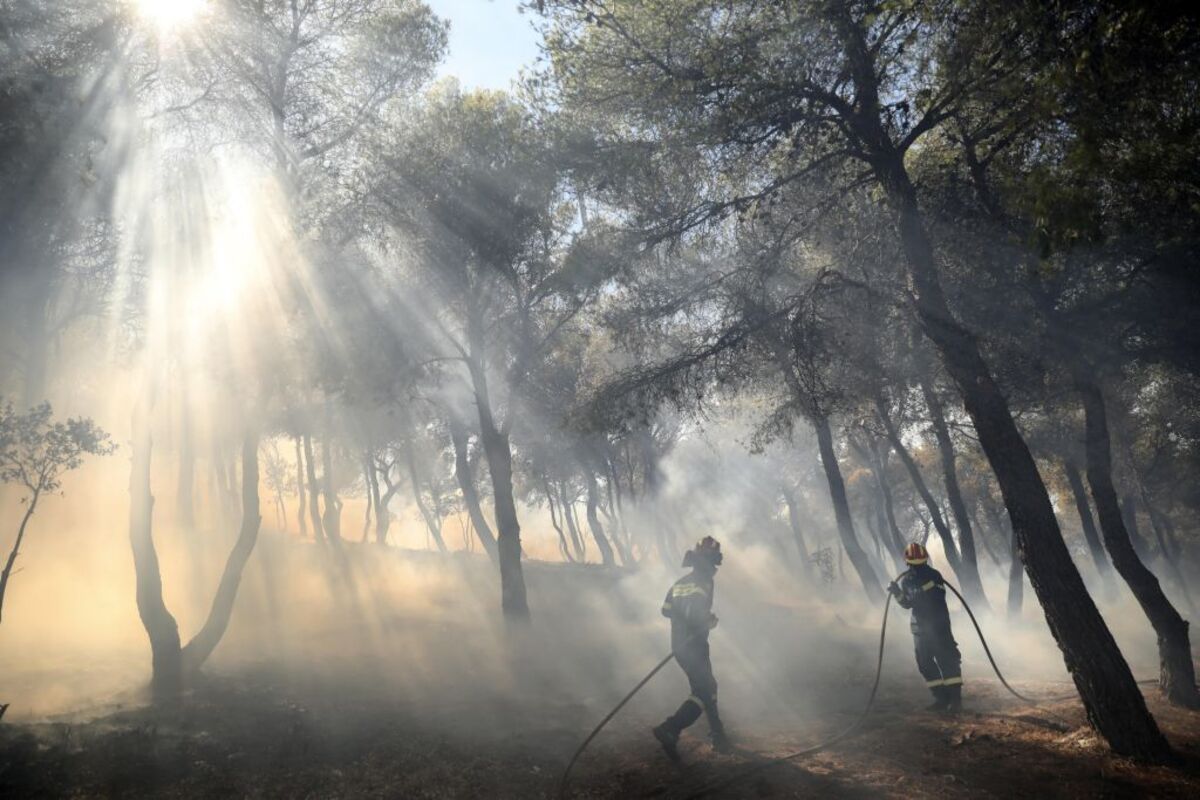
(844, 734)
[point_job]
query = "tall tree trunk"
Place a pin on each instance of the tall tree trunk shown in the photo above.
(314, 490)
(331, 522)
(918, 482)
(466, 484)
(562, 537)
(969, 574)
(372, 484)
(1177, 675)
(597, 529)
(205, 641)
(1110, 694)
(166, 681)
(879, 469)
(499, 457)
(432, 522)
(793, 509)
(300, 509)
(1129, 508)
(1087, 522)
(568, 512)
(185, 503)
(1016, 580)
(383, 516)
(841, 509)
(1106, 685)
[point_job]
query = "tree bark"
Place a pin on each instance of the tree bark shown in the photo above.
(969, 574)
(314, 491)
(16, 548)
(1110, 695)
(568, 513)
(1088, 523)
(166, 681)
(562, 537)
(594, 524)
(1177, 675)
(918, 482)
(466, 484)
(841, 509)
(184, 495)
(331, 522)
(1016, 580)
(879, 468)
(793, 509)
(206, 640)
(300, 510)
(432, 523)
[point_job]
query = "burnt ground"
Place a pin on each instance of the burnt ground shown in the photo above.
(247, 736)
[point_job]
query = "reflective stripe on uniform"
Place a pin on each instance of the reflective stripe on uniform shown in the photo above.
(956, 681)
(687, 590)
(926, 587)
(693, 699)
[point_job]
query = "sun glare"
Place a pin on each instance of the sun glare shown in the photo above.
(168, 15)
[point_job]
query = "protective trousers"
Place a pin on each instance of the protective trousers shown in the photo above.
(940, 663)
(697, 665)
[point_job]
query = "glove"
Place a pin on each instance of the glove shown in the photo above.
(894, 590)
(712, 621)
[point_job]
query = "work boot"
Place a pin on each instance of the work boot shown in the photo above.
(939, 699)
(668, 739)
(721, 743)
(954, 699)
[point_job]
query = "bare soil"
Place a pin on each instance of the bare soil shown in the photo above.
(247, 735)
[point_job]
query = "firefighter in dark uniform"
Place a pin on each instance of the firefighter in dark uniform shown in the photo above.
(689, 607)
(922, 589)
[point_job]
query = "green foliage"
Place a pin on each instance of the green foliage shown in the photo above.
(36, 449)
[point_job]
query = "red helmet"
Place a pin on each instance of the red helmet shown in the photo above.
(915, 554)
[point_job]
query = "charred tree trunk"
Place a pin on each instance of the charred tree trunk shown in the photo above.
(562, 537)
(166, 681)
(466, 484)
(203, 643)
(972, 584)
(841, 509)
(499, 457)
(314, 491)
(300, 508)
(879, 468)
(1177, 675)
(568, 512)
(1129, 507)
(1088, 523)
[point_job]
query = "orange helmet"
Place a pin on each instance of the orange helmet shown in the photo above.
(707, 549)
(915, 554)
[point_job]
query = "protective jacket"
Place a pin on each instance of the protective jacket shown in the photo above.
(922, 589)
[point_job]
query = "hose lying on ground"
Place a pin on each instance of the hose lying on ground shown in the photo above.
(844, 734)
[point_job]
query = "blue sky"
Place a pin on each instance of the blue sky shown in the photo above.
(489, 41)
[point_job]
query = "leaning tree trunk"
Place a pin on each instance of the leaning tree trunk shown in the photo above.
(1110, 694)
(918, 482)
(972, 583)
(1016, 581)
(879, 469)
(1177, 675)
(841, 509)
(466, 484)
(568, 513)
(432, 522)
(1087, 522)
(30, 507)
(166, 681)
(332, 521)
(205, 641)
(793, 509)
(594, 524)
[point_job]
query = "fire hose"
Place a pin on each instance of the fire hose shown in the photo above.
(841, 736)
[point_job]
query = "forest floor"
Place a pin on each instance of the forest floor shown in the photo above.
(248, 736)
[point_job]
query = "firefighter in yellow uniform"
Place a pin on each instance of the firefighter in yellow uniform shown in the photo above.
(689, 607)
(922, 589)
